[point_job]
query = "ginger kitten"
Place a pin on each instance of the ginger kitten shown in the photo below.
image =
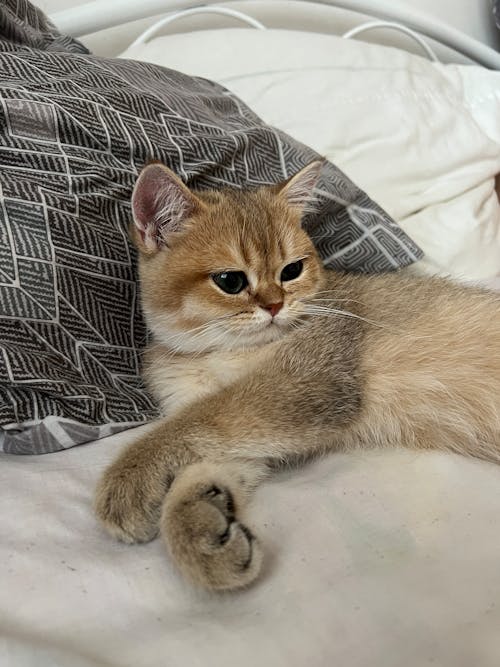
(260, 356)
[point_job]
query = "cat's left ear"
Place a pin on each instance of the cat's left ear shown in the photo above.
(298, 191)
(161, 205)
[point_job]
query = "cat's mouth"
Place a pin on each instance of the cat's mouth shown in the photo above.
(273, 327)
(279, 325)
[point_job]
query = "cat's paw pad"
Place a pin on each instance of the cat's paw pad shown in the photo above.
(209, 544)
(128, 502)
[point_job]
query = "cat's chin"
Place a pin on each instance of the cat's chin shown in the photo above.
(228, 342)
(261, 333)
(264, 335)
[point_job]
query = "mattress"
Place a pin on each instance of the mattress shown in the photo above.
(376, 559)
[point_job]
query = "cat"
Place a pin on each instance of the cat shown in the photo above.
(261, 357)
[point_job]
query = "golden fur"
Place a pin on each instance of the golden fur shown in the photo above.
(349, 361)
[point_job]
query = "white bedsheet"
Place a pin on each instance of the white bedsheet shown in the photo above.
(373, 560)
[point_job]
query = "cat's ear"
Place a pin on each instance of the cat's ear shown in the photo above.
(298, 190)
(161, 204)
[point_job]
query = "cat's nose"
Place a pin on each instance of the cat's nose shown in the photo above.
(274, 308)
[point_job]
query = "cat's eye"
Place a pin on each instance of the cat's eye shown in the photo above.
(292, 271)
(231, 282)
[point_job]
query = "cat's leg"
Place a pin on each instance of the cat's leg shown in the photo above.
(288, 408)
(240, 422)
(202, 467)
(202, 515)
(130, 493)
(204, 527)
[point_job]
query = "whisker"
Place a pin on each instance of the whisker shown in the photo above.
(331, 300)
(322, 311)
(173, 347)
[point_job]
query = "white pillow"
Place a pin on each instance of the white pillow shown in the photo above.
(423, 140)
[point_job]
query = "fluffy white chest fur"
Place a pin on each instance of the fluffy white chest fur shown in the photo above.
(177, 380)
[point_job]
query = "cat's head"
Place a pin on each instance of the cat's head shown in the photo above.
(223, 269)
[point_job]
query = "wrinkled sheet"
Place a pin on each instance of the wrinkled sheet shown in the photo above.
(378, 559)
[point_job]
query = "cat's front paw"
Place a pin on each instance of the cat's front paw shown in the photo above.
(128, 500)
(206, 539)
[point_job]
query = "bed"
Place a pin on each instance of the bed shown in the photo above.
(374, 559)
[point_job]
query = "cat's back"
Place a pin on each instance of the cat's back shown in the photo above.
(422, 322)
(406, 300)
(384, 319)
(430, 362)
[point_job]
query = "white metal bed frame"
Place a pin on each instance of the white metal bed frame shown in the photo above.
(249, 20)
(101, 14)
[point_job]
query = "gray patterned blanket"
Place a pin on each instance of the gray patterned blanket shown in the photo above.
(75, 129)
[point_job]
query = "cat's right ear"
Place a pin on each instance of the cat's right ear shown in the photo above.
(161, 205)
